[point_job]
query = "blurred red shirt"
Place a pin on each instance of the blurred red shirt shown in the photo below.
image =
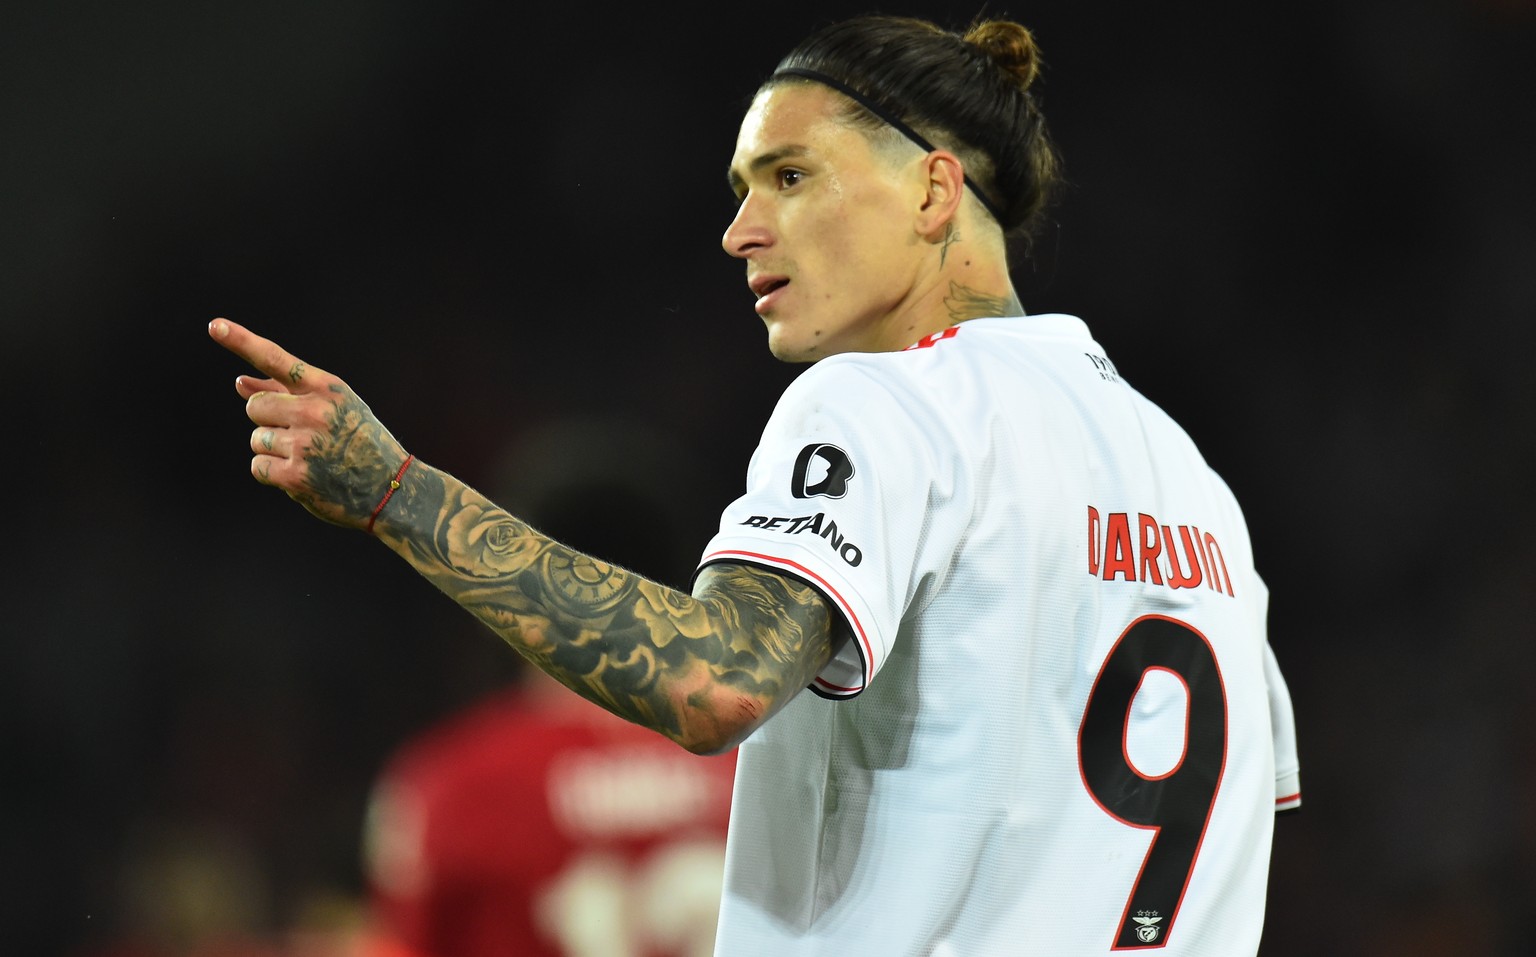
(537, 825)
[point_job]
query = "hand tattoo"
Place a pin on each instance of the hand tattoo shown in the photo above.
(350, 462)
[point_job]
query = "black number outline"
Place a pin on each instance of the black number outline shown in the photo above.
(1177, 805)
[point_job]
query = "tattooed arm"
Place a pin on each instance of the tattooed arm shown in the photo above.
(704, 669)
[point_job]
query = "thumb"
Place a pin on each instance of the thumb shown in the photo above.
(247, 386)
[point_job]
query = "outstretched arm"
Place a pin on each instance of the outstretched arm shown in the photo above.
(703, 669)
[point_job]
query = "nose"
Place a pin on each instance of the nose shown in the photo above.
(748, 231)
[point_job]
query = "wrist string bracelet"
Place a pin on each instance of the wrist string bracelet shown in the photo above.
(394, 485)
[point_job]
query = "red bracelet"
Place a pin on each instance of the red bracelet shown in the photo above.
(394, 484)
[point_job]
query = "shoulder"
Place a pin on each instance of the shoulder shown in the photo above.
(867, 374)
(961, 356)
(866, 393)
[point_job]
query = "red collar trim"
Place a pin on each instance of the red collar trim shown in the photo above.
(929, 340)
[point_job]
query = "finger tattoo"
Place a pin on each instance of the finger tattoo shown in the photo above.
(266, 440)
(297, 372)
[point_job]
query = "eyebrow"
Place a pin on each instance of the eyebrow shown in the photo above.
(738, 182)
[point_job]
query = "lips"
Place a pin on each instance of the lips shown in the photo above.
(768, 289)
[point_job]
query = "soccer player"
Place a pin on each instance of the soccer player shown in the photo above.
(1043, 713)
(534, 824)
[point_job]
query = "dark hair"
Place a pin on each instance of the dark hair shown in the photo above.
(969, 92)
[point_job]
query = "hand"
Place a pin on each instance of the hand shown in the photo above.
(314, 438)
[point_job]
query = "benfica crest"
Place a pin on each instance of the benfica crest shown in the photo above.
(1148, 931)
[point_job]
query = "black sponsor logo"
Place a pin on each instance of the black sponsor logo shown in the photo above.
(823, 470)
(818, 525)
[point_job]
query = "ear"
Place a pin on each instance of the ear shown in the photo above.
(945, 191)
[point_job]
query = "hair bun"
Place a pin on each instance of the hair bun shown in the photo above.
(1010, 45)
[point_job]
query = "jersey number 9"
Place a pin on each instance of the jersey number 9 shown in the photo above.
(1177, 805)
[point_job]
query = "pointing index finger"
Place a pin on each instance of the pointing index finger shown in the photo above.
(264, 355)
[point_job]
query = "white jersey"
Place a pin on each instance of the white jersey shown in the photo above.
(1058, 727)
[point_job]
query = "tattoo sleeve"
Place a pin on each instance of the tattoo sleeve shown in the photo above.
(702, 669)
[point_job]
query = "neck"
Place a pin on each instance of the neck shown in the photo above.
(963, 283)
(966, 302)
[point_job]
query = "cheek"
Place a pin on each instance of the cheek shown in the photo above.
(846, 242)
(862, 254)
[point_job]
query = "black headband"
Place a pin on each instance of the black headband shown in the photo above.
(889, 118)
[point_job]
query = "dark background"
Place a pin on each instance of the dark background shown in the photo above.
(1307, 230)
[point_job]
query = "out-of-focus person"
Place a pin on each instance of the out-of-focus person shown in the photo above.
(535, 824)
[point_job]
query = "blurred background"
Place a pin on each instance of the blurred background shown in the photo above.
(1308, 231)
